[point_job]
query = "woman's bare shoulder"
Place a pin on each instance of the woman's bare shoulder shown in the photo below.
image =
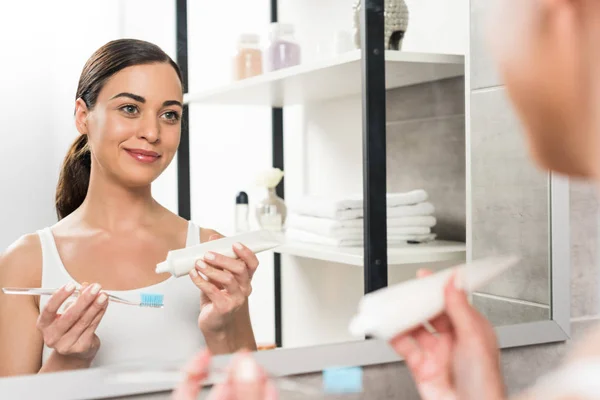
(21, 262)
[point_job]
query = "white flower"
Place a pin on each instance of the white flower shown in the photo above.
(269, 178)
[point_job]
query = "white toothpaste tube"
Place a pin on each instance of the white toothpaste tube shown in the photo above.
(180, 262)
(397, 309)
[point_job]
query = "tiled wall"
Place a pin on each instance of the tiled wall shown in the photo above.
(426, 148)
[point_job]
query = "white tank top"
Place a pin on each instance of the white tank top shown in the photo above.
(130, 334)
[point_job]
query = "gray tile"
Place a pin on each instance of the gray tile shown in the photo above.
(585, 272)
(430, 155)
(435, 99)
(483, 70)
(448, 96)
(502, 311)
(510, 212)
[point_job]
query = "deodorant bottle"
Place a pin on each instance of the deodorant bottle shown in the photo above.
(241, 213)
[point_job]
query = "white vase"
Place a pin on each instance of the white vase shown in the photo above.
(396, 23)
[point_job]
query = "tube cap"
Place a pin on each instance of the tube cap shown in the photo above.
(162, 267)
(241, 198)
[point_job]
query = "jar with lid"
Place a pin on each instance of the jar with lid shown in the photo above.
(283, 50)
(247, 61)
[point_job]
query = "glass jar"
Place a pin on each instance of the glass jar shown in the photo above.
(247, 61)
(283, 50)
(271, 212)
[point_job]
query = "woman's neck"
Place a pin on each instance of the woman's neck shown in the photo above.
(111, 206)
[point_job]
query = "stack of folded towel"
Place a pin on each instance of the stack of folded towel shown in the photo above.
(410, 218)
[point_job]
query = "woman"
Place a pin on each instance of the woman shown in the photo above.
(111, 232)
(549, 58)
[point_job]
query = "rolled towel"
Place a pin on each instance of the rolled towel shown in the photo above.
(332, 227)
(308, 237)
(331, 208)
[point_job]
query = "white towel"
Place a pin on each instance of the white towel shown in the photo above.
(351, 207)
(307, 237)
(398, 211)
(337, 228)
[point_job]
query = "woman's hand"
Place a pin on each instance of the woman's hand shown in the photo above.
(245, 380)
(461, 360)
(226, 288)
(72, 334)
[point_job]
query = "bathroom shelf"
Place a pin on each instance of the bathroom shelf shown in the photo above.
(329, 79)
(432, 252)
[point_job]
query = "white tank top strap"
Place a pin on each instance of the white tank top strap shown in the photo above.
(193, 235)
(53, 271)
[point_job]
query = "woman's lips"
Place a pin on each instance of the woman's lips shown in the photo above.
(144, 156)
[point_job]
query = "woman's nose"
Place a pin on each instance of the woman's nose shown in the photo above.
(150, 130)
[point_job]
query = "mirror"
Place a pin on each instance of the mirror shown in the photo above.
(260, 95)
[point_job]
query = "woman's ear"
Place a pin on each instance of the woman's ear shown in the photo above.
(81, 115)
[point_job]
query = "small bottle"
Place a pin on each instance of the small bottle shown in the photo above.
(241, 213)
(248, 59)
(283, 50)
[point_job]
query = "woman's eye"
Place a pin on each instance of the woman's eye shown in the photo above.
(129, 109)
(171, 116)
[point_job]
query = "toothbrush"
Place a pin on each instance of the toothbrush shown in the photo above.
(397, 309)
(146, 299)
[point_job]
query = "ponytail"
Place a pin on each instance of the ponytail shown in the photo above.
(74, 178)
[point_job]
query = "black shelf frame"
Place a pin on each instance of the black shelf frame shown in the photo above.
(374, 146)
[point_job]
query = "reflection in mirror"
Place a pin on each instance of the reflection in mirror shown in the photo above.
(511, 214)
(124, 173)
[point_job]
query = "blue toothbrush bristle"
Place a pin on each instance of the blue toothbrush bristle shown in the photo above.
(151, 300)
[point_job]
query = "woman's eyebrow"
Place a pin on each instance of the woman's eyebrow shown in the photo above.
(140, 99)
(131, 96)
(172, 103)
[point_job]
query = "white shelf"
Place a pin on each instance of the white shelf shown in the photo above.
(337, 77)
(432, 252)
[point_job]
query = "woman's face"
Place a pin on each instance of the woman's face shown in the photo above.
(134, 128)
(542, 60)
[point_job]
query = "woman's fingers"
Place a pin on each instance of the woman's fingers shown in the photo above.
(215, 236)
(195, 373)
(247, 256)
(76, 311)
(225, 279)
(214, 294)
(463, 317)
(49, 313)
(236, 267)
(406, 346)
(248, 380)
(86, 326)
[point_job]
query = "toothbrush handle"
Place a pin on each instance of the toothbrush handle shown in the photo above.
(30, 291)
(50, 292)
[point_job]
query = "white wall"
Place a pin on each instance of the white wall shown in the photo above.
(38, 85)
(41, 63)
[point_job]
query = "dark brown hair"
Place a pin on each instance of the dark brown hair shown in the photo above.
(103, 64)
